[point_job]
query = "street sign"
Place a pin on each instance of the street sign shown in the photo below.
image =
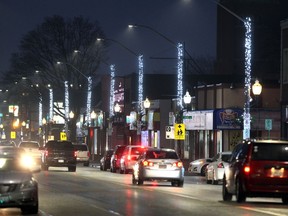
(268, 124)
(170, 132)
(179, 131)
(13, 134)
(63, 136)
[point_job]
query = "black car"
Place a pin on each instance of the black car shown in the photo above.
(106, 160)
(116, 157)
(59, 154)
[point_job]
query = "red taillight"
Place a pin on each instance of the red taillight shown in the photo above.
(178, 164)
(129, 157)
(88, 154)
(46, 153)
(220, 165)
(75, 153)
(147, 163)
(246, 169)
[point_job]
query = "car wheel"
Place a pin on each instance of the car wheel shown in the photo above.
(240, 195)
(203, 171)
(208, 181)
(33, 209)
(72, 168)
(86, 163)
(134, 181)
(214, 181)
(140, 181)
(125, 170)
(180, 183)
(285, 199)
(225, 194)
(44, 167)
(121, 171)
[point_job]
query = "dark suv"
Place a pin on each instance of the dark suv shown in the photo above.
(116, 157)
(257, 168)
(59, 154)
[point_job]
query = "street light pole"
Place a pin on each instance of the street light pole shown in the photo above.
(257, 89)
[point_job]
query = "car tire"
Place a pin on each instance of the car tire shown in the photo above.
(285, 199)
(203, 170)
(86, 163)
(134, 181)
(44, 167)
(140, 181)
(72, 168)
(240, 195)
(180, 183)
(214, 182)
(208, 181)
(121, 171)
(32, 209)
(225, 194)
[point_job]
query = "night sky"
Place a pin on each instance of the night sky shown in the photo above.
(192, 22)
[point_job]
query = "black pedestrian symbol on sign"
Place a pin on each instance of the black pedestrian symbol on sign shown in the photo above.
(179, 132)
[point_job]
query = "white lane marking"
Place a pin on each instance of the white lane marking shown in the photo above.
(263, 211)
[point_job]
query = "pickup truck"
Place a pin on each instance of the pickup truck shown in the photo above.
(59, 154)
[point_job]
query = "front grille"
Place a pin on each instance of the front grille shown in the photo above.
(7, 188)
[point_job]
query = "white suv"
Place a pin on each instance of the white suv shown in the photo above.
(83, 153)
(130, 157)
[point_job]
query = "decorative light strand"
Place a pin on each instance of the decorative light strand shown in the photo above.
(50, 104)
(180, 49)
(40, 110)
(140, 83)
(247, 87)
(89, 96)
(112, 89)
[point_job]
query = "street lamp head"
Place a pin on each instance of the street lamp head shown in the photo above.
(117, 108)
(187, 98)
(146, 103)
(93, 115)
(257, 88)
(71, 114)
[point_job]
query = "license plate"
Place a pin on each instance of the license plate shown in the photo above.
(277, 172)
(162, 166)
(60, 161)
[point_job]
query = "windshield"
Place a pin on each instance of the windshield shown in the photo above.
(29, 145)
(161, 155)
(271, 152)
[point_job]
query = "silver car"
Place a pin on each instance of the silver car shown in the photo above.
(159, 165)
(18, 188)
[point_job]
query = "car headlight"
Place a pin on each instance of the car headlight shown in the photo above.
(27, 161)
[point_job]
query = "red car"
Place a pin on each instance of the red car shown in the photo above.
(116, 157)
(257, 168)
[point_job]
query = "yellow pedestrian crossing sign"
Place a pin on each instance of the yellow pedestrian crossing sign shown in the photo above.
(179, 130)
(63, 136)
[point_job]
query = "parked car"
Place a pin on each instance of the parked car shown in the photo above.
(82, 153)
(199, 166)
(115, 158)
(130, 157)
(215, 170)
(18, 187)
(59, 154)
(159, 165)
(106, 160)
(33, 149)
(257, 168)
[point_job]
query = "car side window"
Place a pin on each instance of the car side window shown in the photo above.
(235, 153)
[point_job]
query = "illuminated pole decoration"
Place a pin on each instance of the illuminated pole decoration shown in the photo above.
(247, 84)
(40, 107)
(51, 104)
(247, 87)
(66, 108)
(180, 75)
(89, 98)
(140, 82)
(112, 87)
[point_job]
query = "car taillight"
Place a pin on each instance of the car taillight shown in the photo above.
(88, 154)
(178, 164)
(129, 157)
(246, 169)
(220, 165)
(75, 153)
(147, 163)
(46, 153)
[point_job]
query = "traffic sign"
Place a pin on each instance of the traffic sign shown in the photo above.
(179, 131)
(169, 132)
(63, 136)
(268, 124)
